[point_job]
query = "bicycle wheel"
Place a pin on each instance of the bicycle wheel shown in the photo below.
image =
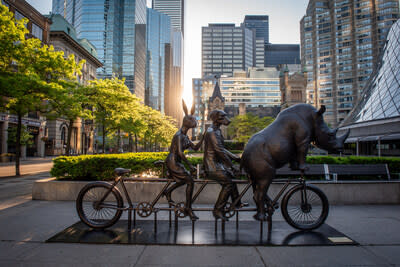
(305, 208)
(92, 212)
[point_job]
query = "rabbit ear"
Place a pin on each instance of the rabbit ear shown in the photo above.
(193, 109)
(184, 107)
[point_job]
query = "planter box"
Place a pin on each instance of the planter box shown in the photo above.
(339, 193)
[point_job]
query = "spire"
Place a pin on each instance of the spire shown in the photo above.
(216, 92)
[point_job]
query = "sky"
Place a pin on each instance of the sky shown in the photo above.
(284, 24)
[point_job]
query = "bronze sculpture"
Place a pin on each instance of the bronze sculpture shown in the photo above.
(218, 163)
(177, 170)
(286, 140)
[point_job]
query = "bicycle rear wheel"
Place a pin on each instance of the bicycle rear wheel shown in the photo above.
(305, 208)
(97, 213)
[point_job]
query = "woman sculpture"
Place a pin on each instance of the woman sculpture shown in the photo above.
(177, 171)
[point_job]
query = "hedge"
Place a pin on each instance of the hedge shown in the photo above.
(100, 167)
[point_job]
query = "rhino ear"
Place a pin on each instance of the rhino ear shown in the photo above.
(184, 107)
(321, 110)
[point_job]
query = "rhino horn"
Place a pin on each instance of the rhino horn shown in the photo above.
(343, 138)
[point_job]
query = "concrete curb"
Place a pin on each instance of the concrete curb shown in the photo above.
(338, 193)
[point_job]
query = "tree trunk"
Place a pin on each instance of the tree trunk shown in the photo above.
(104, 138)
(136, 143)
(18, 145)
(130, 144)
(119, 140)
(69, 135)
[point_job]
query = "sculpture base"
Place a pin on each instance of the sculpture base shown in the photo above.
(249, 233)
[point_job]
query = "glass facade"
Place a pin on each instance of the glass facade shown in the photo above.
(254, 92)
(381, 97)
(110, 26)
(260, 24)
(277, 54)
(158, 35)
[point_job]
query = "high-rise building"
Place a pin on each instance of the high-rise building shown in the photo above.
(340, 43)
(226, 48)
(173, 92)
(158, 36)
(174, 9)
(260, 23)
(278, 54)
(111, 27)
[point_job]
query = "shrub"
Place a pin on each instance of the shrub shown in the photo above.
(100, 167)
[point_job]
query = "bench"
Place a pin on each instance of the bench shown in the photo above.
(335, 170)
(359, 169)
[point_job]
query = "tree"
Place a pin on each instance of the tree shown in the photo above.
(244, 126)
(113, 104)
(28, 71)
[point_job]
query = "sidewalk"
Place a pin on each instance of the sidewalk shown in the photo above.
(28, 166)
(25, 227)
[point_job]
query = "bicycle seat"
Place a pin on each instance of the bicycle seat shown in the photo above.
(121, 171)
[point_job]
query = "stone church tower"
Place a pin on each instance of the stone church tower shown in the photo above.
(293, 88)
(216, 101)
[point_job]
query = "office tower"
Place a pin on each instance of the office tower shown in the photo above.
(226, 48)
(158, 35)
(174, 9)
(173, 93)
(111, 27)
(278, 54)
(341, 41)
(260, 24)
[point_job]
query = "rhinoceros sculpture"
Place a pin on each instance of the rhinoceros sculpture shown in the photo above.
(286, 140)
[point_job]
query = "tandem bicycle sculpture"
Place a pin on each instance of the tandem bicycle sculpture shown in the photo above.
(286, 140)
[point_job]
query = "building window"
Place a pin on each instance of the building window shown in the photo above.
(37, 31)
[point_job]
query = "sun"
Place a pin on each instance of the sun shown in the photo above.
(188, 97)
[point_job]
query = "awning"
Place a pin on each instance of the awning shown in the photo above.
(395, 136)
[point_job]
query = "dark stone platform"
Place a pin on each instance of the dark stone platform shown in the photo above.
(204, 233)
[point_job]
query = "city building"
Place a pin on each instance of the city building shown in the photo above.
(111, 27)
(174, 9)
(158, 36)
(259, 88)
(226, 48)
(173, 91)
(293, 88)
(39, 27)
(277, 54)
(63, 38)
(260, 23)
(340, 44)
(374, 122)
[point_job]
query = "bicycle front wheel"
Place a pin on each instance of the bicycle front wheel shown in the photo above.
(99, 205)
(305, 207)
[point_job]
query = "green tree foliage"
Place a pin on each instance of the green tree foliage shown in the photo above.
(244, 126)
(29, 71)
(113, 105)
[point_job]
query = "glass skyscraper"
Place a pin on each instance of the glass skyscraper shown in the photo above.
(174, 9)
(110, 25)
(260, 23)
(158, 36)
